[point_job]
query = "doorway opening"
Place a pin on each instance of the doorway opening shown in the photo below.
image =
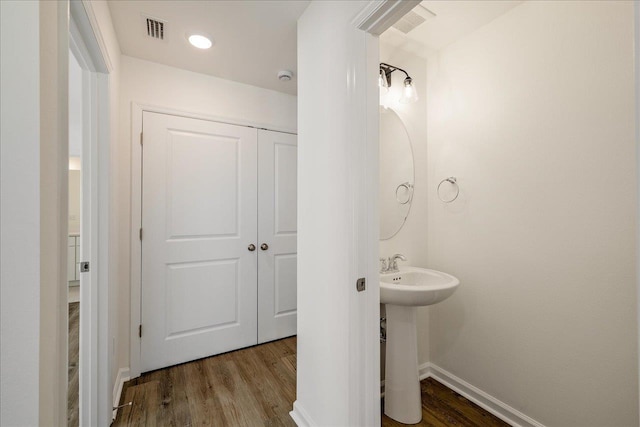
(89, 389)
(74, 278)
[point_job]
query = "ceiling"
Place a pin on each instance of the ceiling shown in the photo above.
(452, 21)
(253, 39)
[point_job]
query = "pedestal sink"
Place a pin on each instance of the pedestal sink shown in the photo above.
(402, 292)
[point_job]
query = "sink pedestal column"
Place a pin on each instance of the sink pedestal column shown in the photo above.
(402, 397)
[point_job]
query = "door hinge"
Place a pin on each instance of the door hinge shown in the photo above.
(140, 233)
(140, 138)
(140, 331)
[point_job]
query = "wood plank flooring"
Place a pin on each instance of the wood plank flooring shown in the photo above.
(254, 387)
(443, 407)
(74, 348)
(251, 387)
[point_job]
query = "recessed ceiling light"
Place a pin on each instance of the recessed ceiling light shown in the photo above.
(200, 41)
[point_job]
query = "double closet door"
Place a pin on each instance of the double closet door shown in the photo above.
(218, 238)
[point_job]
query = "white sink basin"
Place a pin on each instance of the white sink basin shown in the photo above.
(415, 287)
(403, 292)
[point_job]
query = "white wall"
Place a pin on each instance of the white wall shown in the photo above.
(75, 107)
(149, 83)
(411, 240)
(75, 142)
(534, 114)
(19, 214)
(74, 201)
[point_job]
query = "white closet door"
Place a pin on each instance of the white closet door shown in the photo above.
(199, 218)
(277, 228)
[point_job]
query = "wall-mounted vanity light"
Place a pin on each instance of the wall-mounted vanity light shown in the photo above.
(383, 82)
(409, 93)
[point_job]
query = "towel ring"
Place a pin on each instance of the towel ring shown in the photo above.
(409, 188)
(453, 181)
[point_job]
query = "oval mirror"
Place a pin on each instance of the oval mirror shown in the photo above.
(396, 174)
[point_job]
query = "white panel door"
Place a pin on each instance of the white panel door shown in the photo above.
(277, 235)
(199, 290)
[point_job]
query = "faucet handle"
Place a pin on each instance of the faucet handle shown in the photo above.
(383, 265)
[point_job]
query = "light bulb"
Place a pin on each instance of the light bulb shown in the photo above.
(384, 88)
(200, 41)
(409, 93)
(382, 82)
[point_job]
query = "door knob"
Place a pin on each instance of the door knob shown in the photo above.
(264, 246)
(252, 247)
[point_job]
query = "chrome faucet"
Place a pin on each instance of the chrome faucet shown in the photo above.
(390, 265)
(383, 265)
(393, 262)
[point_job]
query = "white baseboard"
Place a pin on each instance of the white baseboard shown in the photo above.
(300, 416)
(487, 402)
(121, 378)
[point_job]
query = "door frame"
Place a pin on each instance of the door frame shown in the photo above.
(137, 109)
(354, 372)
(374, 18)
(88, 47)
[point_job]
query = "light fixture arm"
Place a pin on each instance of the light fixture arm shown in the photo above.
(409, 94)
(387, 69)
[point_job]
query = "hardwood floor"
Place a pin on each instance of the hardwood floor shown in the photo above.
(74, 348)
(256, 386)
(442, 407)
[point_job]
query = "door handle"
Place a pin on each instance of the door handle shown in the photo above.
(264, 246)
(252, 247)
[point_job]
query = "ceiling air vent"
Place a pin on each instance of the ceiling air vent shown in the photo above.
(413, 19)
(155, 28)
(408, 22)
